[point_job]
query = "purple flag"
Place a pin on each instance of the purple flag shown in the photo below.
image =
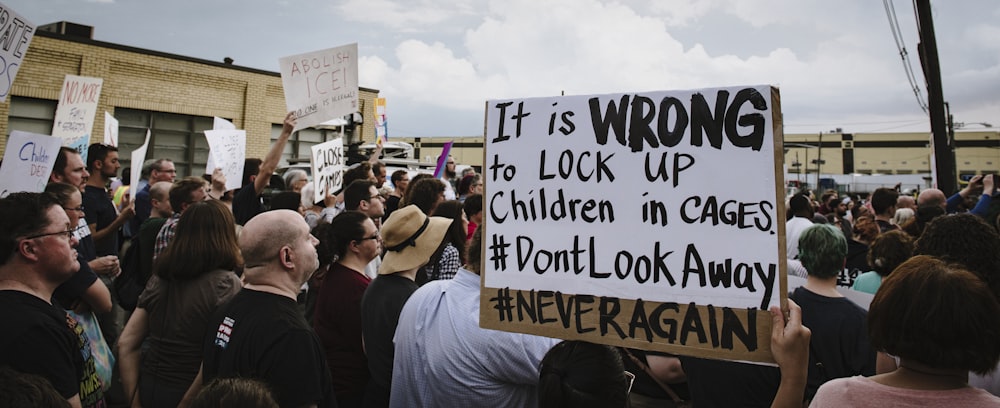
(442, 159)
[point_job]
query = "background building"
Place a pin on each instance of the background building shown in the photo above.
(806, 155)
(176, 97)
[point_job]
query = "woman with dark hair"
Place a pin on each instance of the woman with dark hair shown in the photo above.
(942, 322)
(887, 252)
(424, 192)
(235, 392)
(579, 374)
(346, 246)
(191, 279)
(450, 256)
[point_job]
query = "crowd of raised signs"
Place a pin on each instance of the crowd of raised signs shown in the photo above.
(176, 292)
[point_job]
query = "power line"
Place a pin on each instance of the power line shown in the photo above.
(897, 35)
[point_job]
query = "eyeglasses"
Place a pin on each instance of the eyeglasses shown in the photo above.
(630, 378)
(69, 234)
(378, 196)
(376, 237)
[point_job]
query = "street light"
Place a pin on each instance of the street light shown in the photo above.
(962, 125)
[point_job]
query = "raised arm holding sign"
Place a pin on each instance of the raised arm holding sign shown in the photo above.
(227, 150)
(601, 227)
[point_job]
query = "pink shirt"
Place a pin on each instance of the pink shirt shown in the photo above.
(863, 392)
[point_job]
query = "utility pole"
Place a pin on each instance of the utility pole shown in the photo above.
(944, 152)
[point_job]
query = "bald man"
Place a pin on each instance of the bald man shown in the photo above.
(931, 197)
(261, 332)
(906, 201)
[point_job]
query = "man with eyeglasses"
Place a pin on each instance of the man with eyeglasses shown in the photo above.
(37, 253)
(159, 170)
(363, 196)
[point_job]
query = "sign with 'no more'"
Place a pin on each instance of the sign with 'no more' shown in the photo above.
(648, 220)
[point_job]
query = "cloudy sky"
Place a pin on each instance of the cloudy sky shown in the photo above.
(436, 61)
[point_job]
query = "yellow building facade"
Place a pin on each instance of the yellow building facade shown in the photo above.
(976, 152)
(176, 97)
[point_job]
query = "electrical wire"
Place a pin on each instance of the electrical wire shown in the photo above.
(897, 35)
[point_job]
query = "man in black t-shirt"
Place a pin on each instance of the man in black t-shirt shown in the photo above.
(36, 255)
(261, 333)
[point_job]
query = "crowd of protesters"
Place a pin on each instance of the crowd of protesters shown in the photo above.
(195, 296)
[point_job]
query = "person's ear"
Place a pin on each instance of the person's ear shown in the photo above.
(27, 250)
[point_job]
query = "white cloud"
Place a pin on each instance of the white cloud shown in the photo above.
(524, 48)
(408, 16)
(682, 12)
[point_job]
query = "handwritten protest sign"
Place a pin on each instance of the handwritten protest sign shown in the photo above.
(138, 157)
(75, 113)
(647, 220)
(327, 168)
(17, 33)
(217, 124)
(110, 130)
(381, 125)
(228, 148)
(27, 162)
(321, 85)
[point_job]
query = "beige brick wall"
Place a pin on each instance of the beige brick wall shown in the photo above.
(139, 79)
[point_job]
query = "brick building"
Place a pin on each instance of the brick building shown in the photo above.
(174, 96)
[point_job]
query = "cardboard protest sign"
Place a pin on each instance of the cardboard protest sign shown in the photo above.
(649, 220)
(327, 168)
(110, 130)
(138, 157)
(27, 162)
(228, 149)
(75, 113)
(321, 85)
(17, 34)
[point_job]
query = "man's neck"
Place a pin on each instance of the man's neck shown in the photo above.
(15, 280)
(97, 180)
(883, 217)
(267, 287)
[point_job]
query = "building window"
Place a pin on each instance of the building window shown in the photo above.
(180, 138)
(31, 115)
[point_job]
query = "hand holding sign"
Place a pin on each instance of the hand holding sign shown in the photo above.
(228, 149)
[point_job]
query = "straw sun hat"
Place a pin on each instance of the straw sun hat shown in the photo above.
(410, 238)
